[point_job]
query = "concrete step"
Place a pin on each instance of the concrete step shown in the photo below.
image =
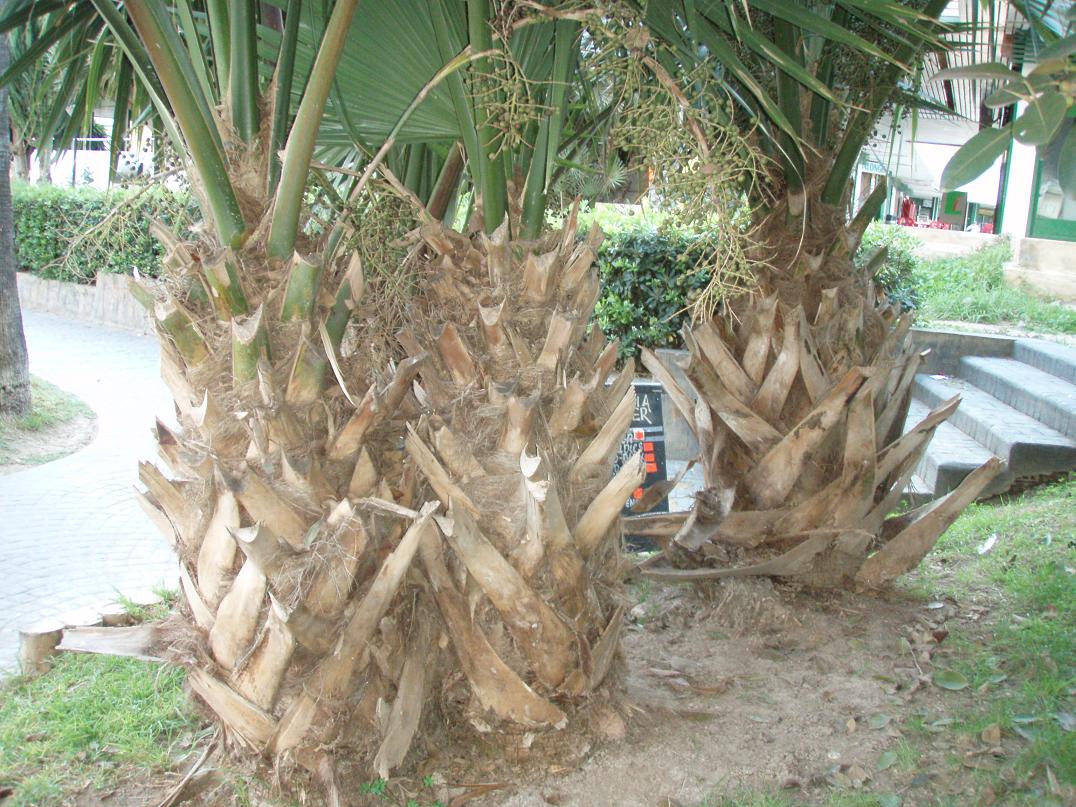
(1050, 357)
(951, 455)
(1028, 446)
(1034, 392)
(918, 492)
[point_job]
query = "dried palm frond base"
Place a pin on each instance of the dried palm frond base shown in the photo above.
(368, 554)
(798, 418)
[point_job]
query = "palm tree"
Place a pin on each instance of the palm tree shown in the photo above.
(378, 537)
(803, 385)
(368, 545)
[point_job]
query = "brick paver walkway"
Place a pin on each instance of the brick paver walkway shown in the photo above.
(71, 532)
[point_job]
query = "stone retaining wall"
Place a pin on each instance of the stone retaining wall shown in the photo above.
(108, 301)
(947, 243)
(1047, 266)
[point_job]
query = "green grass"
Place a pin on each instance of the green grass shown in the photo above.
(972, 288)
(1025, 667)
(152, 612)
(835, 798)
(50, 406)
(85, 721)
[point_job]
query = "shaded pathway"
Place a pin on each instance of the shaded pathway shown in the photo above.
(71, 532)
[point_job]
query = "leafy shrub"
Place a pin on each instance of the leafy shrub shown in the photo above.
(897, 275)
(74, 233)
(647, 286)
(648, 281)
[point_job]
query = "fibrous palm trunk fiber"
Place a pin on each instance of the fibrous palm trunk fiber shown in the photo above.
(800, 395)
(365, 553)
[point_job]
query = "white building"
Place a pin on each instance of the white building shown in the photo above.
(1018, 196)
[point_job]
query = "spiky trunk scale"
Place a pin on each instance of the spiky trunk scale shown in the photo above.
(453, 514)
(801, 392)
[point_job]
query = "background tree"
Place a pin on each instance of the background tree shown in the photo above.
(14, 363)
(1044, 95)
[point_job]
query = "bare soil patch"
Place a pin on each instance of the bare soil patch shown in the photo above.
(29, 448)
(754, 687)
(747, 687)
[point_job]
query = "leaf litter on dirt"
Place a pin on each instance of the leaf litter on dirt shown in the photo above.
(950, 679)
(878, 721)
(887, 760)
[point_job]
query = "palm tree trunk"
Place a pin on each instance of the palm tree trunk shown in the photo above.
(802, 391)
(470, 577)
(14, 363)
(21, 154)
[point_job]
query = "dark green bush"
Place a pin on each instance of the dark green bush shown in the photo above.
(898, 274)
(647, 284)
(62, 233)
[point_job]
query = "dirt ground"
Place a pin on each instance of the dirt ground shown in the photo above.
(754, 688)
(749, 687)
(30, 448)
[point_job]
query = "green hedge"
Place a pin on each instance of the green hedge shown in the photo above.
(647, 284)
(898, 274)
(59, 232)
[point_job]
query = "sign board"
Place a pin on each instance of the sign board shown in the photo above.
(646, 434)
(954, 210)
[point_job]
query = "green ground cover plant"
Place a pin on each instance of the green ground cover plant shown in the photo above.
(1027, 660)
(972, 288)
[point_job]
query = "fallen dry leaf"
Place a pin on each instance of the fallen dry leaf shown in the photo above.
(1055, 787)
(878, 721)
(719, 688)
(991, 735)
(609, 724)
(857, 774)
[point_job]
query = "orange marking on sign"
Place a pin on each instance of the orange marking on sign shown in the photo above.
(648, 446)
